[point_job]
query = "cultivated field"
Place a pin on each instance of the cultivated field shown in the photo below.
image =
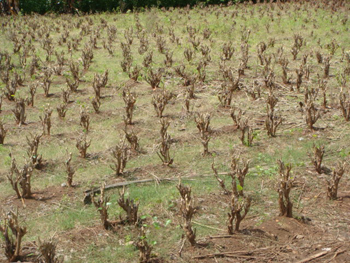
(229, 125)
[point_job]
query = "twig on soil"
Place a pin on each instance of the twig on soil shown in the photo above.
(269, 237)
(223, 255)
(336, 254)
(245, 253)
(156, 178)
(183, 240)
(24, 205)
(221, 236)
(318, 195)
(320, 254)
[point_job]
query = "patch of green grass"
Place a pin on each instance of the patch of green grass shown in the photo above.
(62, 217)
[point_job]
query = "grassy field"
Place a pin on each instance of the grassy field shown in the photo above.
(295, 53)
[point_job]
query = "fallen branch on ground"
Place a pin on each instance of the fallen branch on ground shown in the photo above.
(88, 193)
(320, 254)
(243, 253)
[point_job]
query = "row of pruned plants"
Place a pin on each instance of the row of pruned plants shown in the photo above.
(239, 205)
(280, 68)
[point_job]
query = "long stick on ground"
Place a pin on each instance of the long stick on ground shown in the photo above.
(88, 193)
(313, 257)
(243, 253)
